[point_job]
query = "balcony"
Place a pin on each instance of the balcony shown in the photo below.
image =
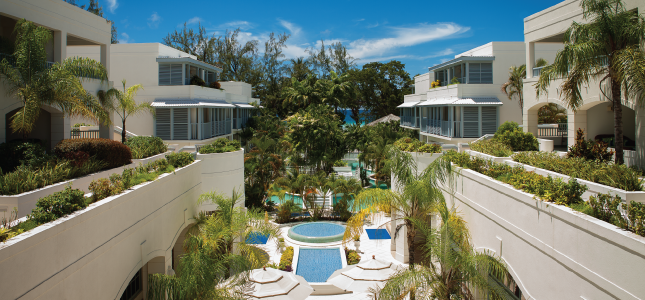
(449, 129)
(408, 121)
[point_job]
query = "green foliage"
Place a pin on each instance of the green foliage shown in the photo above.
(492, 147)
(352, 256)
(17, 153)
(179, 160)
(551, 113)
(145, 146)
(58, 205)
(414, 145)
(215, 85)
(113, 153)
(591, 149)
(221, 145)
(545, 188)
(77, 125)
(512, 135)
(608, 208)
(341, 210)
(340, 163)
(286, 260)
(607, 173)
(284, 211)
(196, 80)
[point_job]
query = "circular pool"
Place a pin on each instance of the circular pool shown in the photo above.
(317, 232)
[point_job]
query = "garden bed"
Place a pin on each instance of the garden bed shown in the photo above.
(487, 156)
(26, 201)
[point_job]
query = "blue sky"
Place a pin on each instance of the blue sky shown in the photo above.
(419, 35)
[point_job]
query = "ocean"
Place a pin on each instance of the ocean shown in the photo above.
(348, 118)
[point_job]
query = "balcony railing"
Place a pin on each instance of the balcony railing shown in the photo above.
(78, 134)
(537, 71)
(451, 129)
(407, 121)
(551, 130)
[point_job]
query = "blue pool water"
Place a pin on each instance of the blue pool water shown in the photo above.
(257, 238)
(318, 229)
(316, 265)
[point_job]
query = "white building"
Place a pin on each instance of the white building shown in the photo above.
(473, 105)
(70, 26)
(185, 114)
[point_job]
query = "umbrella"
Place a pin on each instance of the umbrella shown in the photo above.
(358, 278)
(272, 284)
(385, 119)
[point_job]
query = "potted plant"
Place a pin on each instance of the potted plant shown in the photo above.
(357, 242)
(281, 244)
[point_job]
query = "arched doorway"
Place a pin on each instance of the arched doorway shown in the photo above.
(41, 130)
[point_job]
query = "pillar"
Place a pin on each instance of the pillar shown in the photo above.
(105, 57)
(575, 121)
(530, 121)
(639, 134)
(530, 59)
(60, 46)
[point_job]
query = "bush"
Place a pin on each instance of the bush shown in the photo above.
(221, 145)
(113, 153)
(545, 188)
(618, 176)
(512, 135)
(26, 178)
(58, 205)
(591, 150)
(77, 125)
(492, 147)
(413, 145)
(195, 80)
(145, 146)
(286, 259)
(19, 153)
(352, 257)
(179, 160)
(284, 211)
(606, 207)
(215, 85)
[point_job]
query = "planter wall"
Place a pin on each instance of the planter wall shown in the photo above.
(25, 202)
(487, 156)
(222, 172)
(551, 251)
(93, 253)
(594, 188)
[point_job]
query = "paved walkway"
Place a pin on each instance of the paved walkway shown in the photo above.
(379, 248)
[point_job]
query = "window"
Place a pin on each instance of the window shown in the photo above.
(480, 73)
(134, 287)
(170, 74)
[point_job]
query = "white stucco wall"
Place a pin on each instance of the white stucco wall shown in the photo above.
(222, 172)
(93, 253)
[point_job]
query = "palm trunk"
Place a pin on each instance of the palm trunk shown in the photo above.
(618, 121)
(411, 235)
(123, 132)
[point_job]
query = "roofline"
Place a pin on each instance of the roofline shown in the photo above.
(188, 60)
(459, 59)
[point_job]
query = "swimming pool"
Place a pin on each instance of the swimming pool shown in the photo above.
(317, 232)
(316, 265)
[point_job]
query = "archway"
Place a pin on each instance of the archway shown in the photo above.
(41, 130)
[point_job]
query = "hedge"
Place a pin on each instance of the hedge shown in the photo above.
(221, 145)
(114, 153)
(145, 146)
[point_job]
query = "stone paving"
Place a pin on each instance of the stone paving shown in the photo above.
(379, 248)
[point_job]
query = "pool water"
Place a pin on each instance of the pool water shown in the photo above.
(318, 229)
(316, 265)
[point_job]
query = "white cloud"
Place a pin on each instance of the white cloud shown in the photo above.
(112, 5)
(242, 25)
(373, 25)
(406, 56)
(403, 37)
(294, 29)
(194, 20)
(154, 20)
(125, 38)
(326, 32)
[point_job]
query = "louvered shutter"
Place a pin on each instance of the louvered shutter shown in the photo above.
(489, 120)
(164, 74)
(486, 73)
(471, 122)
(175, 74)
(180, 126)
(162, 122)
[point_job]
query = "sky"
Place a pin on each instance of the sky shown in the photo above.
(420, 34)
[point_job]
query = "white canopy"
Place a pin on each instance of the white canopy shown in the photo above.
(272, 284)
(191, 103)
(244, 105)
(367, 274)
(462, 101)
(408, 104)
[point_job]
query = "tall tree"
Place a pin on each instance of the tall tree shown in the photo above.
(551, 113)
(194, 42)
(274, 68)
(238, 59)
(298, 68)
(607, 49)
(341, 60)
(514, 86)
(320, 60)
(123, 103)
(27, 76)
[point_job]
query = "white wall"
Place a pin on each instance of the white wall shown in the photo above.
(600, 120)
(422, 83)
(483, 50)
(237, 88)
(222, 172)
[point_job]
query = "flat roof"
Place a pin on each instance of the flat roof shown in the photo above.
(460, 59)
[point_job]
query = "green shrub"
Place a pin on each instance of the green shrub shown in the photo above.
(284, 211)
(286, 260)
(606, 207)
(18, 153)
(512, 135)
(546, 188)
(77, 125)
(352, 257)
(221, 145)
(618, 176)
(145, 146)
(58, 205)
(179, 160)
(413, 145)
(492, 147)
(26, 178)
(340, 163)
(195, 80)
(591, 149)
(114, 153)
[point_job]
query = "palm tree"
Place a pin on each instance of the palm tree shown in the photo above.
(262, 164)
(608, 49)
(514, 87)
(551, 113)
(375, 156)
(217, 257)
(27, 76)
(123, 103)
(451, 268)
(417, 196)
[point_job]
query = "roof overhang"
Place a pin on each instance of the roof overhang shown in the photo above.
(189, 60)
(461, 59)
(408, 104)
(185, 103)
(243, 105)
(477, 101)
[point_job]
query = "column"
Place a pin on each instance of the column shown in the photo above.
(480, 120)
(60, 46)
(640, 136)
(200, 122)
(105, 57)
(575, 121)
(530, 121)
(467, 75)
(530, 59)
